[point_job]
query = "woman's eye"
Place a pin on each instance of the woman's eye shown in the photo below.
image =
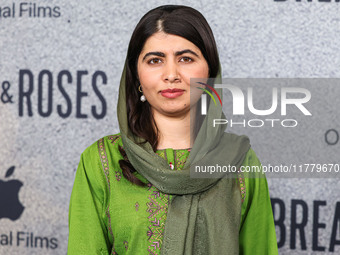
(154, 61)
(186, 59)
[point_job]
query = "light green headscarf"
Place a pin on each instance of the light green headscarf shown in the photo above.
(204, 214)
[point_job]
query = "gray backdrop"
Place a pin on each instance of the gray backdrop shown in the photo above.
(60, 66)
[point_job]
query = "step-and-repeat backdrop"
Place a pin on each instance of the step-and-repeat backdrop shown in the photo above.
(60, 66)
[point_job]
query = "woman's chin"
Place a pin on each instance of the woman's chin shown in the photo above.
(176, 111)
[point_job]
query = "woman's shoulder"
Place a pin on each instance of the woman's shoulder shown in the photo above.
(251, 176)
(251, 158)
(100, 156)
(105, 143)
(251, 167)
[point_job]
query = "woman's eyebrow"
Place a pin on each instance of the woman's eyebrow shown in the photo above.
(156, 53)
(177, 53)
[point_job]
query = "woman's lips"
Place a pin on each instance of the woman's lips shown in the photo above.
(172, 93)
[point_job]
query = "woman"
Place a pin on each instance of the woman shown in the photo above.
(128, 197)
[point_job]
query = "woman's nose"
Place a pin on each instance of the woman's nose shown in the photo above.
(171, 73)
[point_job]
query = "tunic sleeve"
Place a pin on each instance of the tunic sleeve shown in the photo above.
(87, 227)
(257, 230)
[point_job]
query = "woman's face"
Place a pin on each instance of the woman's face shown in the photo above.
(165, 66)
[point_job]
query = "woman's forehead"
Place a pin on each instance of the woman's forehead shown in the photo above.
(169, 43)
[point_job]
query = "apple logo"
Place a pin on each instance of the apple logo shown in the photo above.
(10, 207)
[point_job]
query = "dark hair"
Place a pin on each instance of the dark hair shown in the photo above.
(178, 20)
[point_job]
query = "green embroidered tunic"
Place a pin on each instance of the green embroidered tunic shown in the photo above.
(110, 215)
